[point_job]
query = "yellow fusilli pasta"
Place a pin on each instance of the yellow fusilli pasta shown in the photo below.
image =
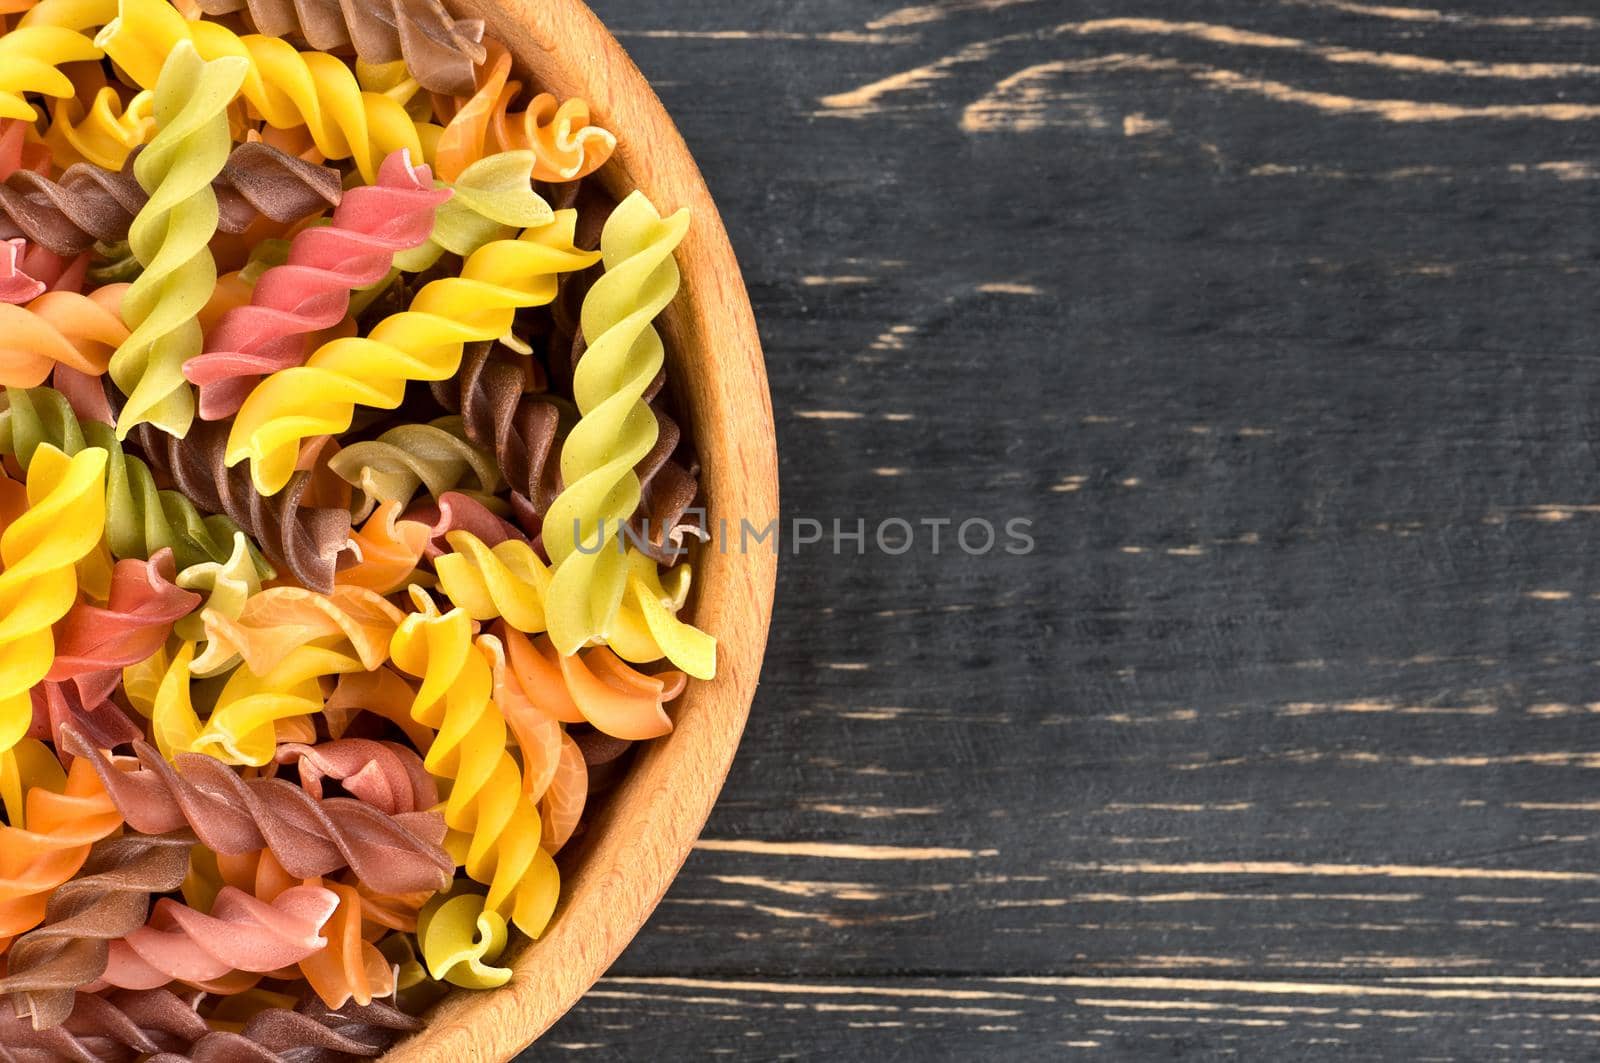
(274, 623)
(422, 343)
(104, 132)
(509, 580)
(494, 830)
(29, 60)
(241, 727)
(57, 520)
(288, 88)
(170, 236)
(461, 939)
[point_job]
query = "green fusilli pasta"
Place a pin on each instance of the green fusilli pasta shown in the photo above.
(170, 235)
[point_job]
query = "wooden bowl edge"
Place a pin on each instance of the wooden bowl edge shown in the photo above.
(656, 817)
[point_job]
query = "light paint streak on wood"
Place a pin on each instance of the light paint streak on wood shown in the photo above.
(1024, 103)
(1139, 125)
(828, 415)
(1010, 288)
(1549, 596)
(1549, 982)
(839, 851)
(990, 112)
(1203, 1005)
(1565, 171)
(1311, 708)
(1018, 103)
(827, 919)
(826, 37)
(1161, 983)
(844, 891)
(1200, 1020)
(1192, 896)
(873, 811)
(921, 14)
(1423, 14)
(1212, 33)
(817, 280)
(1118, 807)
(1286, 867)
(815, 989)
(1556, 806)
(865, 101)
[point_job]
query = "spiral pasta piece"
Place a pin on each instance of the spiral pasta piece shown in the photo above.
(140, 519)
(53, 818)
(461, 939)
(595, 687)
(86, 204)
(304, 539)
(273, 624)
(60, 328)
(434, 456)
(310, 1031)
(565, 145)
(311, 291)
(90, 205)
(561, 807)
(386, 775)
(388, 550)
(30, 57)
(108, 899)
(241, 933)
(423, 343)
(170, 235)
(18, 151)
(104, 131)
(121, 1025)
(240, 728)
(509, 580)
(288, 88)
(225, 586)
(95, 642)
(495, 831)
(616, 428)
(490, 395)
(383, 694)
(349, 966)
(233, 815)
(161, 1026)
(492, 200)
(27, 272)
(437, 49)
(64, 518)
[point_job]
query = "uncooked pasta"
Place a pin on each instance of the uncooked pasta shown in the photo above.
(347, 526)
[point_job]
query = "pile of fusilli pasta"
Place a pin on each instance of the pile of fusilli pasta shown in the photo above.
(341, 518)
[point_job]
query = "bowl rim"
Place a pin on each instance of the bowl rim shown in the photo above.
(650, 824)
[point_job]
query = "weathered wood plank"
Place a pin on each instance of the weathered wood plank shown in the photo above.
(1089, 1016)
(1277, 320)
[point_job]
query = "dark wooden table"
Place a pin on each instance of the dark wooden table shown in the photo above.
(1278, 319)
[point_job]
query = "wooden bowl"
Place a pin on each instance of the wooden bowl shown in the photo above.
(644, 832)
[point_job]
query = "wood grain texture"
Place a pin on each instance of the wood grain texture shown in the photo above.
(643, 833)
(1277, 318)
